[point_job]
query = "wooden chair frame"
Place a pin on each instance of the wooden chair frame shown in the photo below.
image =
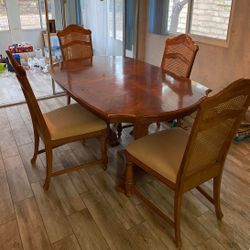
(186, 41)
(184, 183)
(76, 29)
(41, 130)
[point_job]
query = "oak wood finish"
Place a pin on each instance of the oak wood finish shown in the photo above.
(51, 210)
(76, 43)
(143, 231)
(215, 125)
(88, 233)
(69, 243)
(115, 234)
(70, 199)
(42, 131)
(6, 206)
(30, 221)
(19, 184)
(126, 90)
(123, 209)
(9, 236)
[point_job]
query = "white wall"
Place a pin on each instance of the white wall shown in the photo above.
(215, 66)
(5, 40)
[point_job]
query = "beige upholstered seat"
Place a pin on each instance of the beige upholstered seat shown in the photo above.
(72, 120)
(60, 126)
(183, 161)
(151, 151)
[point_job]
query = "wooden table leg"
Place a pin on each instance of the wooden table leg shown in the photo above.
(119, 130)
(140, 129)
(112, 137)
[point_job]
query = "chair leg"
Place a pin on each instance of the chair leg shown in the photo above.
(129, 183)
(158, 124)
(177, 218)
(216, 191)
(179, 122)
(104, 150)
(48, 151)
(68, 99)
(119, 130)
(36, 147)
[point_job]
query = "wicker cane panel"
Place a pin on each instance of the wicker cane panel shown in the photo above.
(179, 55)
(215, 127)
(75, 43)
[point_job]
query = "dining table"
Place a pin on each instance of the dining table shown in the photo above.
(121, 89)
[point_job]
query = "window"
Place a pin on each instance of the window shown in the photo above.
(211, 19)
(32, 14)
(115, 19)
(29, 14)
(42, 12)
(111, 18)
(208, 18)
(119, 20)
(177, 16)
(4, 23)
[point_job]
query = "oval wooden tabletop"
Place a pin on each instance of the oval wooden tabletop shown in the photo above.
(124, 89)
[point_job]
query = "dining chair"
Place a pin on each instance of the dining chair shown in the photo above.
(60, 126)
(184, 161)
(178, 59)
(76, 43)
(179, 54)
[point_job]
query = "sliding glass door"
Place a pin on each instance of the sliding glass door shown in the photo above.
(23, 22)
(106, 21)
(131, 21)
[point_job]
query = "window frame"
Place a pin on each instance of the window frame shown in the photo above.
(44, 24)
(39, 12)
(211, 40)
(40, 18)
(206, 39)
(20, 25)
(114, 33)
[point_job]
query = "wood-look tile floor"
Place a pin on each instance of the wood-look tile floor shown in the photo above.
(11, 92)
(82, 210)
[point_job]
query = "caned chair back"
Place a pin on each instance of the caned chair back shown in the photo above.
(35, 112)
(75, 42)
(215, 125)
(179, 55)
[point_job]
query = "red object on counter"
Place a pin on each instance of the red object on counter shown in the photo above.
(20, 48)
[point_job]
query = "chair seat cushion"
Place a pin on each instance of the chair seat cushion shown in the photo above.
(72, 120)
(161, 151)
